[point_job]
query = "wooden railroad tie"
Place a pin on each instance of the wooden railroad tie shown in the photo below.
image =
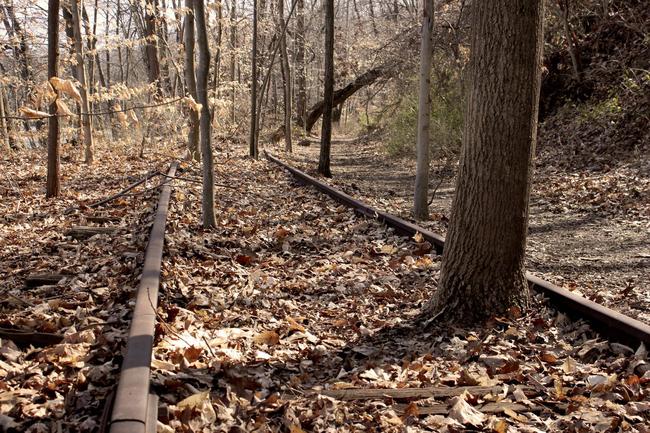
(84, 232)
(38, 280)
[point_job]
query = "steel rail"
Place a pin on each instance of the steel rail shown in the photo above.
(135, 410)
(614, 325)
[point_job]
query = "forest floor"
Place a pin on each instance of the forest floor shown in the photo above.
(589, 225)
(284, 318)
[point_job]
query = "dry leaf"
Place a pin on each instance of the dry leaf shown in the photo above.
(464, 413)
(66, 87)
(62, 108)
(192, 104)
(33, 114)
(269, 338)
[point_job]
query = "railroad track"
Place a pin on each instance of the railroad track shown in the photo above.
(614, 325)
(134, 409)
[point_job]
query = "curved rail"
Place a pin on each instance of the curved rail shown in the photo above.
(608, 322)
(135, 410)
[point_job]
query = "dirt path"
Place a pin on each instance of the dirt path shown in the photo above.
(589, 232)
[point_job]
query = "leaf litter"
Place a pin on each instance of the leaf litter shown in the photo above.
(62, 381)
(295, 315)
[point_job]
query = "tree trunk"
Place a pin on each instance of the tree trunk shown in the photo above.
(233, 58)
(573, 51)
(342, 94)
(151, 48)
(53, 160)
(3, 114)
(190, 81)
(86, 120)
(483, 262)
(202, 93)
(253, 131)
(420, 205)
(301, 77)
(286, 77)
(328, 92)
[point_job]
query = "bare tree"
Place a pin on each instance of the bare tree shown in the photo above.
(86, 119)
(151, 47)
(53, 161)
(328, 92)
(483, 262)
(202, 93)
(420, 205)
(254, 114)
(301, 77)
(233, 57)
(286, 76)
(190, 81)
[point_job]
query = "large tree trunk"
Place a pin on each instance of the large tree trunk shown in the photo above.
(301, 77)
(328, 92)
(286, 77)
(342, 94)
(190, 81)
(483, 262)
(202, 93)
(53, 161)
(420, 205)
(86, 120)
(253, 132)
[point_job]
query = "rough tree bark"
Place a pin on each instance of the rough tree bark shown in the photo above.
(420, 202)
(328, 92)
(86, 120)
(253, 132)
(286, 77)
(53, 187)
(190, 82)
(483, 262)
(202, 93)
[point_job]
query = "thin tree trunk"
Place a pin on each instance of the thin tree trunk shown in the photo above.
(421, 205)
(253, 132)
(301, 78)
(86, 120)
(3, 114)
(286, 78)
(233, 57)
(202, 92)
(483, 263)
(190, 80)
(573, 51)
(328, 92)
(53, 187)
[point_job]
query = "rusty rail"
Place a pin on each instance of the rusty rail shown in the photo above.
(135, 410)
(608, 322)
